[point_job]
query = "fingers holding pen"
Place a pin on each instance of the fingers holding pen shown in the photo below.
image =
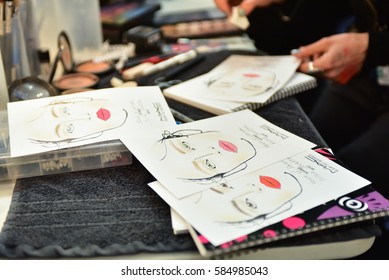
(312, 56)
(337, 57)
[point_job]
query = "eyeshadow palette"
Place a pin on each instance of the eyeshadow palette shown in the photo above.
(199, 29)
(76, 80)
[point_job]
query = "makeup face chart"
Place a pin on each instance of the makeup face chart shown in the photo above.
(243, 78)
(263, 197)
(53, 123)
(251, 168)
(192, 157)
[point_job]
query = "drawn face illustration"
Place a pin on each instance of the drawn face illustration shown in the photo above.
(244, 82)
(74, 120)
(245, 202)
(203, 155)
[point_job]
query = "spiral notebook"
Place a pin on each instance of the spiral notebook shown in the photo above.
(362, 205)
(191, 92)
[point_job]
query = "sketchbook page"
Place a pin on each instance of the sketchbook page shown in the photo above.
(298, 83)
(263, 197)
(243, 78)
(57, 122)
(195, 156)
(184, 93)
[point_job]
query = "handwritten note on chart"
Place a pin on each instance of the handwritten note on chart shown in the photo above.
(41, 125)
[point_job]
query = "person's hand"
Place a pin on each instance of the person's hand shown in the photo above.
(338, 57)
(247, 5)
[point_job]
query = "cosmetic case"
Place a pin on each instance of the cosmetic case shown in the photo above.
(87, 157)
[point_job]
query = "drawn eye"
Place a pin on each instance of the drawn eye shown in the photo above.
(65, 111)
(64, 130)
(187, 146)
(60, 111)
(225, 84)
(210, 164)
(250, 204)
(253, 87)
(69, 129)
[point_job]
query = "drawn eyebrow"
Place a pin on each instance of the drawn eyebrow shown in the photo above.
(57, 128)
(53, 112)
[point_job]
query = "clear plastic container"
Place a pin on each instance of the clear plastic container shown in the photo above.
(92, 156)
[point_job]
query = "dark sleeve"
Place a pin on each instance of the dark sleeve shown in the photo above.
(378, 50)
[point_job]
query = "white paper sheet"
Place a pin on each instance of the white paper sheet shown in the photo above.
(263, 197)
(243, 78)
(195, 156)
(46, 124)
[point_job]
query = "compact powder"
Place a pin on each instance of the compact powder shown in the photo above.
(76, 80)
(94, 67)
(75, 90)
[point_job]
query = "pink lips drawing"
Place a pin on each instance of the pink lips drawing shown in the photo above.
(103, 114)
(251, 75)
(228, 146)
(270, 182)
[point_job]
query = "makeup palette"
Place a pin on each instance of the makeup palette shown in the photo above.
(76, 80)
(97, 68)
(76, 90)
(80, 76)
(197, 29)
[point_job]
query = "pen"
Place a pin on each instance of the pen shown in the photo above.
(180, 116)
(177, 59)
(8, 11)
(153, 59)
(165, 80)
(179, 69)
(2, 5)
(134, 69)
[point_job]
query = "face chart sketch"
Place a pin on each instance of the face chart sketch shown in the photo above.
(247, 78)
(246, 82)
(74, 119)
(253, 202)
(57, 122)
(195, 156)
(265, 196)
(206, 156)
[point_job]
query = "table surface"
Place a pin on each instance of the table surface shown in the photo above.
(285, 113)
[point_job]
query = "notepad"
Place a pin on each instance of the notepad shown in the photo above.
(300, 82)
(196, 92)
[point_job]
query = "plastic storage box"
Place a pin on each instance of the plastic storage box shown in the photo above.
(92, 156)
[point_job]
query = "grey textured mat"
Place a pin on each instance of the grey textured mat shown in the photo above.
(102, 212)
